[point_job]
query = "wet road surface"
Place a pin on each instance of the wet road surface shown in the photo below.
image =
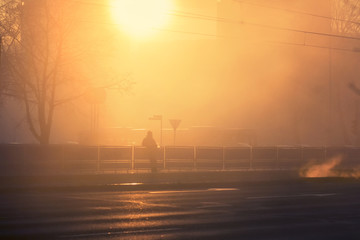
(303, 209)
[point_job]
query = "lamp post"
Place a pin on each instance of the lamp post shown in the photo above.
(330, 110)
(158, 117)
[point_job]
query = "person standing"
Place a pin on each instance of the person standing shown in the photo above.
(151, 149)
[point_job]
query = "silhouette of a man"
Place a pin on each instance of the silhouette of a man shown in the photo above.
(151, 149)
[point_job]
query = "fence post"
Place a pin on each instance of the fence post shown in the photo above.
(194, 156)
(164, 156)
(223, 158)
(23, 157)
(277, 158)
(98, 159)
(132, 157)
(63, 158)
(251, 157)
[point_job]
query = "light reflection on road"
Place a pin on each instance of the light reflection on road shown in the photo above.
(195, 191)
(184, 213)
(125, 184)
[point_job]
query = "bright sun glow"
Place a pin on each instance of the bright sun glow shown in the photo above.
(140, 18)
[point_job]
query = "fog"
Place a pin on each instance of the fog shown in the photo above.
(234, 72)
(314, 169)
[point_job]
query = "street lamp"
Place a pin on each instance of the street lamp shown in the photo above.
(158, 117)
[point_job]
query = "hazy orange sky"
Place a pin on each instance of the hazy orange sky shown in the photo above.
(211, 80)
(224, 63)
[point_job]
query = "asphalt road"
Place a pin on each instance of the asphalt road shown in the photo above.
(296, 209)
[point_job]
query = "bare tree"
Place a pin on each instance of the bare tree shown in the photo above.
(9, 32)
(346, 21)
(33, 57)
(346, 15)
(39, 48)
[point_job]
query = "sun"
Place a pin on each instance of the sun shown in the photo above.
(140, 18)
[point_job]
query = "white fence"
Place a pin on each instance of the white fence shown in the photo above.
(23, 159)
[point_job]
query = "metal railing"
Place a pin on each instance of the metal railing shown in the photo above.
(24, 159)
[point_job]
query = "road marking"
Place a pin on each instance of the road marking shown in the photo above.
(213, 205)
(125, 184)
(295, 196)
(196, 191)
(178, 191)
(108, 234)
(223, 189)
(99, 208)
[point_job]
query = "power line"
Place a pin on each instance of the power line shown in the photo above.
(220, 19)
(226, 20)
(239, 1)
(205, 17)
(253, 4)
(298, 12)
(354, 50)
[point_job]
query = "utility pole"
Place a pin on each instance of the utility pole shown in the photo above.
(330, 107)
(330, 132)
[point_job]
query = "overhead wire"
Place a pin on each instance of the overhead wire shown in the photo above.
(186, 14)
(297, 12)
(226, 20)
(247, 3)
(354, 50)
(205, 17)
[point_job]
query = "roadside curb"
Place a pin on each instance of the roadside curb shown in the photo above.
(138, 181)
